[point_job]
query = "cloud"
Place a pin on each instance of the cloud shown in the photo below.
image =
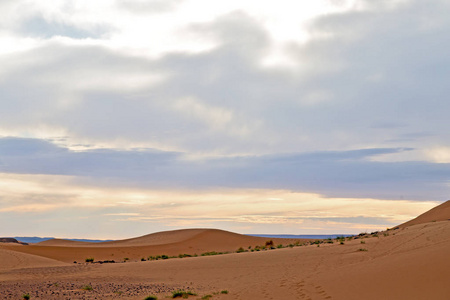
(40, 27)
(148, 7)
(348, 174)
(365, 79)
(156, 94)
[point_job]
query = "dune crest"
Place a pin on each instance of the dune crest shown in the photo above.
(438, 213)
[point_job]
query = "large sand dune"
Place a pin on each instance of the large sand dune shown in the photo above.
(171, 243)
(438, 213)
(406, 263)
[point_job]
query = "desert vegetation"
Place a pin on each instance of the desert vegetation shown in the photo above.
(182, 294)
(87, 287)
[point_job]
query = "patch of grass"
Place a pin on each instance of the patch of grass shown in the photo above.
(342, 243)
(184, 255)
(224, 292)
(206, 297)
(363, 242)
(280, 246)
(182, 294)
(126, 259)
(164, 256)
(143, 259)
(87, 288)
(26, 296)
(151, 297)
(211, 253)
(362, 249)
(89, 259)
(240, 250)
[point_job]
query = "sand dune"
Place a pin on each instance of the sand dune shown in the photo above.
(10, 259)
(205, 235)
(172, 243)
(438, 213)
(410, 262)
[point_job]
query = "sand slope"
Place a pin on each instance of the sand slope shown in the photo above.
(438, 213)
(10, 259)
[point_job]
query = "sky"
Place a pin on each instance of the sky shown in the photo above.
(123, 118)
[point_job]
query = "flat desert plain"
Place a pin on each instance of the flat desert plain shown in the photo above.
(410, 261)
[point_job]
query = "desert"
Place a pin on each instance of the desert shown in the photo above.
(409, 261)
(240, 150)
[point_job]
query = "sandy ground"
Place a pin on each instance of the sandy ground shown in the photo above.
(408, 263)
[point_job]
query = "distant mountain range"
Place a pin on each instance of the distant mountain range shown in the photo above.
(35, 239)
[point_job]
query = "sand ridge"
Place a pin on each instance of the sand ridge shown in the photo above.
(438, 213)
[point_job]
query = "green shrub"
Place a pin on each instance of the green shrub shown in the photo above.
(151, 297)
(269, 243)
(87, 288)
(224, 292)
(240, 250)
(363, 242)
(362, 249)
(206, 297)
(126, 259)
(211, 253)
(26, 296)
(89, 259)
(182, 294)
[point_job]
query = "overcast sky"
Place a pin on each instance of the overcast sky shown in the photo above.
(122, 118)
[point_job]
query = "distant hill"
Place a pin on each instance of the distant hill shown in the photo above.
(11, 240)
(35, 239)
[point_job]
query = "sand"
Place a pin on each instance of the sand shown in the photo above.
(406, 263)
